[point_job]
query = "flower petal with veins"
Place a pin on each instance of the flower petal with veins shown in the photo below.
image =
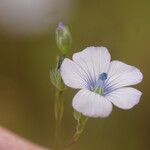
(101, 82)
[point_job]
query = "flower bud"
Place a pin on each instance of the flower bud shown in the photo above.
(63, 38)
(55, 75)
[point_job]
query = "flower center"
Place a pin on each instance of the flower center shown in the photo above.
(99, 87)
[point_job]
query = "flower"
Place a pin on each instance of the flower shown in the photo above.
(102, 82)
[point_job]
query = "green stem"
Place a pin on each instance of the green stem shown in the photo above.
(73, 140)
(79, 129)
(58, 110)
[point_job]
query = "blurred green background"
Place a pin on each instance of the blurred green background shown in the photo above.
(27, 96)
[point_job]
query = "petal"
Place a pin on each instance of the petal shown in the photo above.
(91, 104)
(124, 98)
(72, 74)
(121, 74)
(94, 61)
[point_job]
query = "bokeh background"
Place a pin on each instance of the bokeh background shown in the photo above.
(28, 51)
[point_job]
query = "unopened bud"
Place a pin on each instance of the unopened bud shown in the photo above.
(63, 38)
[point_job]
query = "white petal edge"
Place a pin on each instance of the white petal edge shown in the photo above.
(121, 74)
(124, 98)
(94, 61)
(91, 104)
(72, 74)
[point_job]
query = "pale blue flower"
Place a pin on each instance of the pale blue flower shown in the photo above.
(102, 82)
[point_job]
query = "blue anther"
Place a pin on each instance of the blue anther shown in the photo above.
(103, 76)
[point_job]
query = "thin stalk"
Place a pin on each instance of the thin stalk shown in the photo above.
(79, 129)
(58, 110)
(73, 141)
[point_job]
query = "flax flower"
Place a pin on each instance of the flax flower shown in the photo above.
(102, 82)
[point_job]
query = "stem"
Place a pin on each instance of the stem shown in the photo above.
(58, 110)
(73, 140)
(79, 129)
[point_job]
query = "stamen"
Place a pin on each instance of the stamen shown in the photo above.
(98, 90)
(103, 76)
(100, 84)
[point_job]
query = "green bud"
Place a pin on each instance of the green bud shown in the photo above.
(55, 75)
(63, 38)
